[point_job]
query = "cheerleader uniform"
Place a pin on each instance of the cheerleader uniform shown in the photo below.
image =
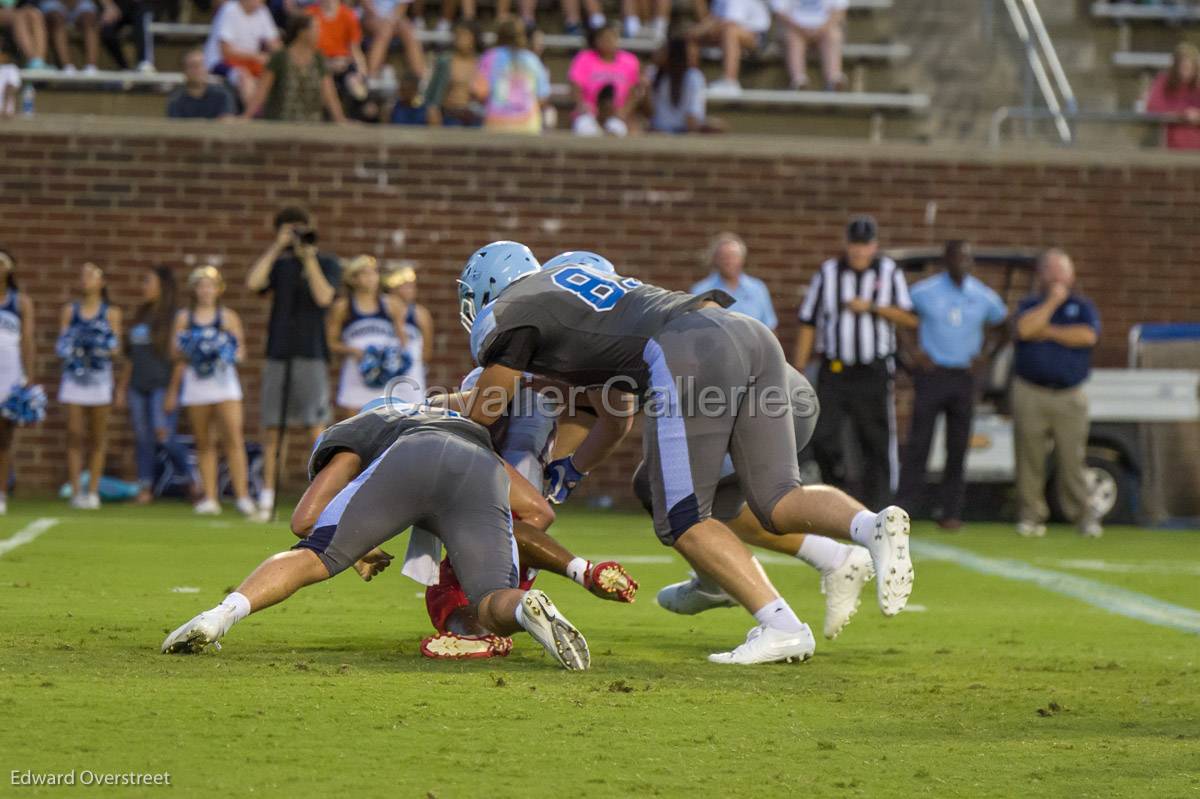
(412, 387)
(222, 385)
(361, 331)
(11, 371)
(96, 387)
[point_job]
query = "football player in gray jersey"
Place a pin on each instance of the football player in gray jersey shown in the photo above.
(710, 382)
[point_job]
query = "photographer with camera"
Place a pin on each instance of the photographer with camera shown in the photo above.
(295, 382)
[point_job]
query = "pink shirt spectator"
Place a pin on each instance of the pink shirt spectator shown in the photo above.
(1161, 100)
(591, 73)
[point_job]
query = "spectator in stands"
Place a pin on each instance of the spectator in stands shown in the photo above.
(606, 121)
(296, 84)
(727, 260)
(301, 283)
(241, 40)
(385, 20)
(134, 15)
(450, 13)
(821, 22)
(82, 15)
(657, 11)
(339, 39)
(603, 64)
(734, 26)
(1177, 91)
(10, 85)
(677, 92)
(144, 379)
(571, 13)
(1057, 328)
(199, 97)
(410, 107)
(449, 90)
(28, 31)
(956, 310)
(512, 82)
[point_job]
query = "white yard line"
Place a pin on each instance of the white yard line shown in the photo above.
(1101, 595)
(26, 534)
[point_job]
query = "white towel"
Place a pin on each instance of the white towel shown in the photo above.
(421, 561)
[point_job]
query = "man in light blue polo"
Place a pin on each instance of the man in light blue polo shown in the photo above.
(728, 262)
(955, 309)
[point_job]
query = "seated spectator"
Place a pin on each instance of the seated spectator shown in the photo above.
(134, 15)
(600, 65)
(242, 38)
(1177, 91)
(571, 14)
(450, 12)
(410, 107)
(677, 92)
(635, 11)
(605, 121)
(296, 84)
(818, 21)
(78, 14)
(449, 90)
(512, 82)
(10, 85)
(734, 26)
(339, 39)
(385, 20)
(199, 97)
(28, 30)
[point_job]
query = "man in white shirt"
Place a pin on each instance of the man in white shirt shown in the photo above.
(242, 37)
(818, 21)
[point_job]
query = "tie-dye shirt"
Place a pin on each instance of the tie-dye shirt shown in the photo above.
(517, 83)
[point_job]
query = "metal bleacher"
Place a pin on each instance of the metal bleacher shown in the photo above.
(1158, 27)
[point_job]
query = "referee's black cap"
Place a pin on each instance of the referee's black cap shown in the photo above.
(862, 230)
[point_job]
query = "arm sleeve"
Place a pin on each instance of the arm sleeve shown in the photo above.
(917, 298)
(1156, 97)
(808, 308)
(1090, 314)
(997, 310)
(769, 318)
(900, 297)
(575, 73)
(512, 348)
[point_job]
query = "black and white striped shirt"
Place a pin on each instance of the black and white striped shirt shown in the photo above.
(842, 334)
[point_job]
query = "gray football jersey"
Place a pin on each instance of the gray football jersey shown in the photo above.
(369, 434)
(579, 325)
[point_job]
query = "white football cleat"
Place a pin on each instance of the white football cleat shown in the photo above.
(843, 587)
(888, 546)
(688, 598)
(768, 645)
(552, 630)
(193, 637)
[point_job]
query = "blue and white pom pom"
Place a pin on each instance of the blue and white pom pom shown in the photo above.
(25, 405)
(207, 348)
(382, 364)
(86, 348)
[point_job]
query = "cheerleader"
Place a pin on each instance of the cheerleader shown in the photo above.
(401, 284)
(89, 338)
(366, 319)
(16, 359)
(207, 345)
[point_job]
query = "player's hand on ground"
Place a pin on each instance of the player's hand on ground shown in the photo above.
(609, 580)
(561, 479)
(372, 564)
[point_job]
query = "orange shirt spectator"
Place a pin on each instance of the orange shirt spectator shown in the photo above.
(1177, 91)
(338, 29)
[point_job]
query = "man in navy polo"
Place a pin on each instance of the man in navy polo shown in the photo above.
(1056, 331)
(955, 309)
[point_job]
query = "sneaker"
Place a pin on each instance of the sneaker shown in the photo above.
(80, 502)
(90, 69)
(199, 633)
(609, 580)
(69, 69)
(247, 508)
(35, 63)
(688, 599)
(572, 29)
(1029, 529)
(542, 620)
(444, 25)
(146, 68)
(843, 587)
(724, 88)
(449, 646)
(93, 502)
(768, 645)
(893, 563)
(1089, 527)
(266, 499)
(207, 507)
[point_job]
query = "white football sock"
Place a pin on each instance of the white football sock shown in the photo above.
(235, 607)
(823, 554)
(577, 570)
(778, 615)
(862, 529)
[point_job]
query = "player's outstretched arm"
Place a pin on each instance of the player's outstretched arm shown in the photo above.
(337, 474)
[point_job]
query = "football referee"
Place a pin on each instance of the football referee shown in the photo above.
(850, 313)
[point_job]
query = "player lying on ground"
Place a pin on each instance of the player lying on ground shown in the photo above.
(673, 351)
(339, 455)
(440, 473)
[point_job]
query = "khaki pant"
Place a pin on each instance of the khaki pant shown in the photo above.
(1041, 415)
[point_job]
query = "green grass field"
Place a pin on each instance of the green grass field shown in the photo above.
(986, 687)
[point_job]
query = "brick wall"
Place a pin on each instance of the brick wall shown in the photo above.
(130, 193)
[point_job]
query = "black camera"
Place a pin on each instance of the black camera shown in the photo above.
(305, 235)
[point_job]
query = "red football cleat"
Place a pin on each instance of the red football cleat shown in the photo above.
(448, 646)
(609, 580)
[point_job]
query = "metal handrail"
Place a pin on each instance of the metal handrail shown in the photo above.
(1004, 114)
(1039, 72)
(1051, 54)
